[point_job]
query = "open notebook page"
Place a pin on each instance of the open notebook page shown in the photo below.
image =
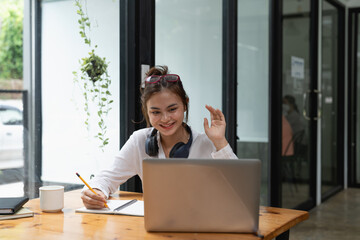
(135, 209)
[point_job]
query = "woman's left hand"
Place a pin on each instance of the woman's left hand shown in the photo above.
(216, 131)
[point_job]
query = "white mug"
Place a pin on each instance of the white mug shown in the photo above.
(51, 198)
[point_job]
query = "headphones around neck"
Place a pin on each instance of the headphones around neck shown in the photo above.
(180, 149)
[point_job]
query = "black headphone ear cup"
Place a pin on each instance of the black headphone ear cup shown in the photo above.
(151, 146)
(175, 149)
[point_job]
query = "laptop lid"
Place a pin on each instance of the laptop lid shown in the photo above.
(201, 195)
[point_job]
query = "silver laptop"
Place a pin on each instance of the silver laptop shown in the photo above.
(201, 195)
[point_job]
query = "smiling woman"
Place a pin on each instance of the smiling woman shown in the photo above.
(165, 109)
(166, 114)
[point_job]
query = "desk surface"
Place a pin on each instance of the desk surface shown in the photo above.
(70, 225)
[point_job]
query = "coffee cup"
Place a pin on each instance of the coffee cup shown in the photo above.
(51, 198)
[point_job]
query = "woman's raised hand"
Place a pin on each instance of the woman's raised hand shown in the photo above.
(216, 130)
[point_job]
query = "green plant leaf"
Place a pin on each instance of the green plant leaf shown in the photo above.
(93, 69)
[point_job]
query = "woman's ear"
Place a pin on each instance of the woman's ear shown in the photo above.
(187, 103)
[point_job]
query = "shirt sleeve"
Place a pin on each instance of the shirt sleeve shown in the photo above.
(123, 168)
(224, 153)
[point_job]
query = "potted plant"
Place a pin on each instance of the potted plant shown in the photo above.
(93, 79)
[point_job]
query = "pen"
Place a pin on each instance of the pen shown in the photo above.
(89, 187)
(125, 205)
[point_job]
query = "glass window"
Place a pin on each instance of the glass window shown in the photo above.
(189, 41)
(67, 146)
(11, 45)
(11, 102)
(10, 116)
(253, 84)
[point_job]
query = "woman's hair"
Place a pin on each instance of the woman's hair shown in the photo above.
(150, 89)
(290, 99)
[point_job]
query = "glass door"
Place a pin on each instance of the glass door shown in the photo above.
(331, 143)
(297, 125)
(354, 93)
(312, 123)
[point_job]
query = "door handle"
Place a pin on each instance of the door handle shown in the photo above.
(304, 104)
(319, 104)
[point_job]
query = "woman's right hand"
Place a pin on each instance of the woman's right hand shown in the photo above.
(92, 200)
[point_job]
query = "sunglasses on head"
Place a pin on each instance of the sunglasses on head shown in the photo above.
(168, 77)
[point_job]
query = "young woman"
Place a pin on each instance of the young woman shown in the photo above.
(165, 108)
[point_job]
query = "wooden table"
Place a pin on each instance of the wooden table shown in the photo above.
(70, 225)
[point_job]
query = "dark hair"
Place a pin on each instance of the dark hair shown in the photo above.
(151, 89)
(291, 100)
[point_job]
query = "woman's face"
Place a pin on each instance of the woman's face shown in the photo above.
(166, 112)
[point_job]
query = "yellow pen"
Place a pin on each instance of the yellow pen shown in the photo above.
(89, 187)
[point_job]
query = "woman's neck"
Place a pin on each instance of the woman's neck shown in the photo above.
(179, 136)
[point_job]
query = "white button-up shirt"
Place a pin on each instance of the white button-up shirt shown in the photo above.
(128, 161)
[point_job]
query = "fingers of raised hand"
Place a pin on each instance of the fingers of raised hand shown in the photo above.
(218, 115)
(211, 110)
(206, 124)
(214, 114)
(221, 115)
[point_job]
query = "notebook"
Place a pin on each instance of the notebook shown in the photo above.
(201, 195)
(23, 212)
(12, 205)
(118, 207)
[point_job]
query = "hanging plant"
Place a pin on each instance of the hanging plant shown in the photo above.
(93, 79)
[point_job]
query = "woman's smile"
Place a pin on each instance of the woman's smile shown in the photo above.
(167, 126)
